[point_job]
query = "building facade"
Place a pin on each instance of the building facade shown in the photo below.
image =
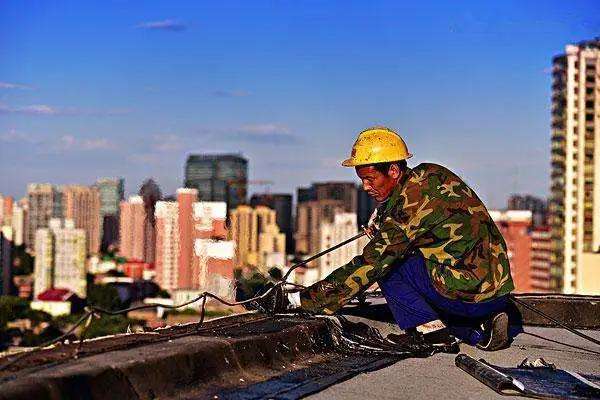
(150, 193)
(192, 253)
(537, 206)
(81, 204)
(112, 192)
(18, 224)
(131, 228)
(541, 259)
(575, 172)
(6, 283)
(218, 177)
(514, 226)
(69, 258)
(310, 215)
(257, 238)
(44, 261)
(282, 204)
(42, 199)
(167, 244)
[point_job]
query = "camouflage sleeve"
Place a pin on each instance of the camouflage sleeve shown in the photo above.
(330, 294)
(412, 213)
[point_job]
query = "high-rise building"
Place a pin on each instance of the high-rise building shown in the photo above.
(282, 204)
(131, 228)
(60, 258)
(541, 259)
(310, 215)
(150, 193)
(41, 198)
(258, 241)
(112, 192)
(7, 208)
(185, 203)
(514, 226)
(341, 228)
(6, 283)
(81, 204)
(345, 192)
(191, 253)
(537, 206)
(575, 176)
(69, 258)
(44, 261)
(18, 224)
(218, 177)
(167, 244)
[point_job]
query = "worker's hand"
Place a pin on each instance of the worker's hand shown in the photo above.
(273, 300)
(370, 230)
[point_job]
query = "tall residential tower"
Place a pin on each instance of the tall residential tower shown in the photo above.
(575, 187)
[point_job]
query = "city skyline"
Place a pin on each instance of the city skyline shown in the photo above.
(134, 90)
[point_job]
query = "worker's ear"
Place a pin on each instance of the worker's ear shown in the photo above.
(394, 171)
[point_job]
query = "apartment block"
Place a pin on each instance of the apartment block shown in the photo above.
(192, 254)
(41, 201)
(541, 259)
(60, 259)
(167, 244)
(514, 226)
(81, 204)
(259, 243)
(131, 228)
(44, 261)
(575, 172)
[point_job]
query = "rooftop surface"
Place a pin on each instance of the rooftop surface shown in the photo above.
(438, 377)
(252, 356)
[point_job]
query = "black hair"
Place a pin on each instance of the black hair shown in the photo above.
(384, 167)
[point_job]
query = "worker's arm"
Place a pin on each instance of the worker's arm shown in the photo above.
(347, 281)
(390, 244)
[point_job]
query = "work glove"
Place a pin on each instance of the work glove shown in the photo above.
(276, 301)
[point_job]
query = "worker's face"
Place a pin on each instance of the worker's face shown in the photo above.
(377, 184)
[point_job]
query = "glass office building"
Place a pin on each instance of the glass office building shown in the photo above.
(218, 177)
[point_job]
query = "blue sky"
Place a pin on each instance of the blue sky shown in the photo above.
(117, 88)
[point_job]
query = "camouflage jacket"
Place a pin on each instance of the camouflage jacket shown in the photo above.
(434, 213)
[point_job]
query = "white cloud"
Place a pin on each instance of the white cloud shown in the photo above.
(44, 109)
(167, 142)
(14, 136)
(265, 129)
(71, 143)
(230, 93)
(165, 25)
(8, 85)
(144, 158)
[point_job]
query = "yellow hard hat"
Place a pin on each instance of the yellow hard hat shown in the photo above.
(377, 145)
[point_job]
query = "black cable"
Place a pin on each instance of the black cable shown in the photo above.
(322, 253)
(554, 320)
(203, 297)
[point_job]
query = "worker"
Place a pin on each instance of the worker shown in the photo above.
(439, 259)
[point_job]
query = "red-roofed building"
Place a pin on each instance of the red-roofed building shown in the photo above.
(57, 302)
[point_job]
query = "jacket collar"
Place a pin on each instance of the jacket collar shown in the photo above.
(394, 198)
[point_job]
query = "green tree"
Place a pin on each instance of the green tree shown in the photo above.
(104, 296)
(11, 308)
(22, 261)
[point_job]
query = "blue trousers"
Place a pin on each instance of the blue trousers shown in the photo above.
(414, 301)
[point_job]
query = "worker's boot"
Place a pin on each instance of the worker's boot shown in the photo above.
(495, 333)
(440, 341)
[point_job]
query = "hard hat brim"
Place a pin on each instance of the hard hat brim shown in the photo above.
(350, 162)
